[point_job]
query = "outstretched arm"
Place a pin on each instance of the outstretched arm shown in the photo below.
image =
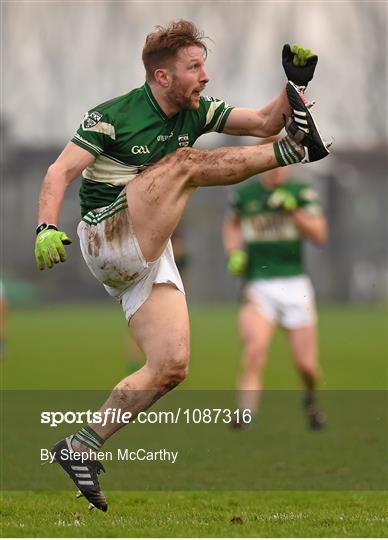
(263, 122)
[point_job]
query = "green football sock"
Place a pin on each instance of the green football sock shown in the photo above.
(88, 437)
(288, 151)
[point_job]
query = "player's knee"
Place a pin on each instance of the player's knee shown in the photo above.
(175, 369)
(255, 354)
(186, 161)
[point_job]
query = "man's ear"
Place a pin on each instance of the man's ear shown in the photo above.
(162, 77)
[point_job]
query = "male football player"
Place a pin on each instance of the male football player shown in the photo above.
(138, 173)
(263, 233)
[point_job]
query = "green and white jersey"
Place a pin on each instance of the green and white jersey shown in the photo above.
(130, 132)
(271, 238)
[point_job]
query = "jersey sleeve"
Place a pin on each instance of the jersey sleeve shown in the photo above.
(308, 199)
(95, 133)
(214, 114)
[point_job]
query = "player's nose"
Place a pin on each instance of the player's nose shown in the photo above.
(204, 77)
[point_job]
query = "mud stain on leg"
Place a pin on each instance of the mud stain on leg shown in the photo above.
(94, 242)
(117, 228)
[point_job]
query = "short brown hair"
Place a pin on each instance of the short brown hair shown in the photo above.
(162, 45)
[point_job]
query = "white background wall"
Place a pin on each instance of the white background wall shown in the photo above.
(61, 58)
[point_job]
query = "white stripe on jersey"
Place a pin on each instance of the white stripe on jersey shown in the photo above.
(84, 141)
(107, 170)
(104, 128)
(219, 121)
(211, 112)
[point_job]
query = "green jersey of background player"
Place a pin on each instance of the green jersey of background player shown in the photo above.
(263, 236)
(272, 240)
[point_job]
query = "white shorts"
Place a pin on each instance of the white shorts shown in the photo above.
(113, 256)
(288, 301)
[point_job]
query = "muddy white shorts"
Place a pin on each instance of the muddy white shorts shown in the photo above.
(113, 255)
(288, 301)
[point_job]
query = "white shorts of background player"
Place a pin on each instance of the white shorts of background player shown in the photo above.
(288, 301)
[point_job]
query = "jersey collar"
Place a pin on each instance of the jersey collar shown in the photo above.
(151, 99)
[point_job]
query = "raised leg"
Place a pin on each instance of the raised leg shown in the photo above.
(158, 196)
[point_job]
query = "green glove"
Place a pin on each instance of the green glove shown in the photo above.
(302, 56)
(281, 199)
(237, 262)
(49, 248)
(299, 64)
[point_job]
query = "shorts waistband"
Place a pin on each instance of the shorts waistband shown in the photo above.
(94, 217)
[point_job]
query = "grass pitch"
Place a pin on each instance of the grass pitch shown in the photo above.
(204, 514)
(90, 341)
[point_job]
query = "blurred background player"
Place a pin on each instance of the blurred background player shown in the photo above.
(263, 237)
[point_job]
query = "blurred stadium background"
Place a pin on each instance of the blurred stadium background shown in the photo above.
(61, 58)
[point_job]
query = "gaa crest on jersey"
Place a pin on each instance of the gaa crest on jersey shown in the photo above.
(183, 139)
(91, 119)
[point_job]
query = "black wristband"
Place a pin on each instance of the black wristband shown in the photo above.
(44, 226)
